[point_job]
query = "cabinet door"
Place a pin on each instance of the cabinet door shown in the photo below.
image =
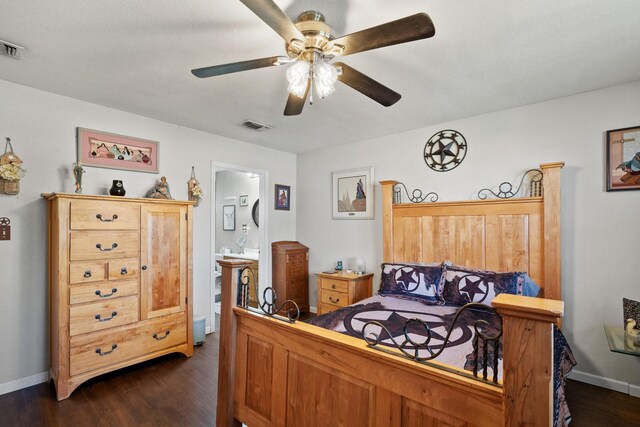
(163, 258)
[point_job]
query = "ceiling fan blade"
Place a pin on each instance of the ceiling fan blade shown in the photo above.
(367, 86)
(295, 104)
(234, 67)
(414, 27)
(274, 17)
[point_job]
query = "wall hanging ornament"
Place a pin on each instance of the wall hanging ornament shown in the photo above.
(11, 171)
(445, 150)
(196, 193)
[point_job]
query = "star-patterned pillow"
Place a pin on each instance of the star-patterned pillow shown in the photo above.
(462, 285)
(420, 282)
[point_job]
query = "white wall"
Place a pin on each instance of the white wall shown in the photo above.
(600, 230)
(42, 126)
(235, 184)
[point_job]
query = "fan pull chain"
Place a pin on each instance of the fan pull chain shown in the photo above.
(311, 84)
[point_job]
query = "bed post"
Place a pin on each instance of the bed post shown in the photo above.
(528, 358)
(552, 266)
(227, 357)
(387, 220)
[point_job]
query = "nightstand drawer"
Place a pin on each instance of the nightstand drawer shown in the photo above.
(104, 245)
(336, 298)
(92, 292)
(334, 285)
(326, 308)
(94, 351)
(102, 315)
(104, 215)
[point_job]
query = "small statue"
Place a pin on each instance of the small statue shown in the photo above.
(339, 265)
(77, 173)
(160, 191)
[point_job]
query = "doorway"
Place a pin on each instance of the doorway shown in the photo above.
(238, 225)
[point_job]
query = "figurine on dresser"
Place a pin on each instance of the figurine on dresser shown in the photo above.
(160, 191)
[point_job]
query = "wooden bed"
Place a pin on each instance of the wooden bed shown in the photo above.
(274, 373)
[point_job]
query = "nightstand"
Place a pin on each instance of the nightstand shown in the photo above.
(336, 290)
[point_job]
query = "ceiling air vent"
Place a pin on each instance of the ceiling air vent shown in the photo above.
(259, 127)
(11, 50)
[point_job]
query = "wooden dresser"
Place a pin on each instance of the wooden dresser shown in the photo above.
(290, 280)
(120, 284)
(341, 289)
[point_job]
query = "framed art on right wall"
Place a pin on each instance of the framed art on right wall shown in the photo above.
(623, 159)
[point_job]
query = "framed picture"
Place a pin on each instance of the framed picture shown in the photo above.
(353, 194)
(623, 159)
(229, 217)
(108, 150)
(282, 197)
(244, 200)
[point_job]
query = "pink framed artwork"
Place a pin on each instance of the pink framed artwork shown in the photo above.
(109, 150)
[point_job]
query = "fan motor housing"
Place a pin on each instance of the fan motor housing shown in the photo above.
(317, 34)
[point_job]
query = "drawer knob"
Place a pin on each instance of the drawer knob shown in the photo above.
(99, 318)
(333, 286)
(104, 353)
(113, 246)
(123, 271)
(337, 300)
(144, 267)
(113, 218)
(101, 295)
(87, 274)
(166, 334)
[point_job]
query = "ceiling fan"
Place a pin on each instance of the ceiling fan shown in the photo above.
(311, 46)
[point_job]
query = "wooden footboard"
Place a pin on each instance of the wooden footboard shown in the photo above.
(274, 373)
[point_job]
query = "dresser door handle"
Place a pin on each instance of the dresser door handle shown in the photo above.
(101, 295)
(104, 353)
(123, 271)
(166, 334)
(87, 274)
(337, 300)
(144, 267)
(100, 319)
(113, 218)
(113, 246)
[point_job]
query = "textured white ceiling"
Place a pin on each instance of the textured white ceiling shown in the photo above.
(136, 56)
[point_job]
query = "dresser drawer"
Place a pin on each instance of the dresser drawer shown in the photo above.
(123, 269)
(92, 292)
(326, 308)
(104, 215)
(87, 245)
(85, 272)
(336, 298)
(334, 285)
(97, 350)
(102, 315)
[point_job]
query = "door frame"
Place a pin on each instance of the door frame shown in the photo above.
(264, 278)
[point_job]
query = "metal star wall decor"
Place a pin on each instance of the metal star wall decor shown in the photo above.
(445, 150)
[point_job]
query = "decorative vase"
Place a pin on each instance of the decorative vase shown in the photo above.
(9, 187)
(117, 189)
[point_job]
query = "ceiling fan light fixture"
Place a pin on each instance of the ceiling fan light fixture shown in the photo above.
(324, 77)
(297, 75)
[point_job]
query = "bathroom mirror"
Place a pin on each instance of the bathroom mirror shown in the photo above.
(255, 213)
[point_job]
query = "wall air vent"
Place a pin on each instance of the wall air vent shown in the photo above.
(258, 127)
(10, 49)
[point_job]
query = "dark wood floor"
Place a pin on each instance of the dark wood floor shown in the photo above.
(176, 391)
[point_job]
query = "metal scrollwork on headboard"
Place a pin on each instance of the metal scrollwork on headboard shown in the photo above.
(506, 191)
(483, 340)
(416, 195)
(268, 304)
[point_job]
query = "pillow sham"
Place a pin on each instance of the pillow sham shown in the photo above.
(421, 282)
(462, 285)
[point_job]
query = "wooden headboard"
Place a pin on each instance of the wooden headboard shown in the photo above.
(519, 234)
